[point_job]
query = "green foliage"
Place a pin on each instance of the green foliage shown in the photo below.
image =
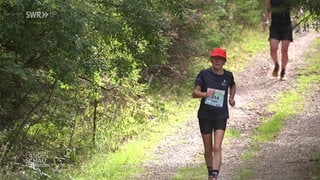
(232, 133)
(112, 165)
(316, 173)
(312, 6)
(70, 79)
(247, 12)
(250, 152)
(197, 172)
(243, 174)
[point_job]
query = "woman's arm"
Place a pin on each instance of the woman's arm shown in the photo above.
(198, 94)
(267, 15)
(295, 19)
(233, 88)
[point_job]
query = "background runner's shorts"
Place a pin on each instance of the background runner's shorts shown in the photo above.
(280, 33)
(209, 125)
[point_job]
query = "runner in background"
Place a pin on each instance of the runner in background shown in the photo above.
(212, 85)
(280, 30)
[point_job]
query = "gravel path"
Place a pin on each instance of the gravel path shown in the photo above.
(256, 88)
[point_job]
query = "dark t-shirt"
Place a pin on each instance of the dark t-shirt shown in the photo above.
(280, 13)
(215, 107)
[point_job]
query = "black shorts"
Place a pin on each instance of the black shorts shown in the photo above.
(209, 125)
(280, 33)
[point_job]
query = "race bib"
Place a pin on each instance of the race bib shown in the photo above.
(217, 99)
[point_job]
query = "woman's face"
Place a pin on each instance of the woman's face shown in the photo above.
(217, 62)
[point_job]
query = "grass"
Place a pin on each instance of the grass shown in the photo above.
(250, 153)
(287, 105)
(124, 162)
(243, 174)
(232, 133)
(197, 172)
(316, 170)
(111, 166)
(240, 56)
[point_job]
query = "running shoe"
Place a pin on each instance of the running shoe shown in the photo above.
(275, 70)
(211, 177)
(282, 73)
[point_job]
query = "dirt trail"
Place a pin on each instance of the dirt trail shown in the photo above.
(256, 88)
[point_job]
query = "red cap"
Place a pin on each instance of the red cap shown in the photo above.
(219, 52)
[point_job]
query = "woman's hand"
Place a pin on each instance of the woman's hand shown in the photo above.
(294, 22)
(210, 92)
(265, 25)
(232, 102)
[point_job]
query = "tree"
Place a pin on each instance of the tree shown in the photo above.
(60, 58)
